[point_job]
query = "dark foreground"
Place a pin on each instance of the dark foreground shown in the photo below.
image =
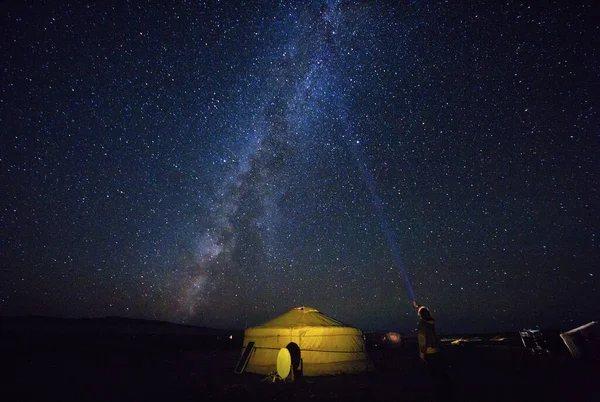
(179, 367)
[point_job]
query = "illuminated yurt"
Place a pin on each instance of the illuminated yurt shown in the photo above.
(319, 345)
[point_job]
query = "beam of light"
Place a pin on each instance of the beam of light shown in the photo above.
(381, 213)
(333, 21)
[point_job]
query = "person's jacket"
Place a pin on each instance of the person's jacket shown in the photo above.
(428, 341)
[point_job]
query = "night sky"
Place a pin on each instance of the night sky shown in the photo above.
(219, 163)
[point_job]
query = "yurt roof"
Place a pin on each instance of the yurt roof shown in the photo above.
(302, 317)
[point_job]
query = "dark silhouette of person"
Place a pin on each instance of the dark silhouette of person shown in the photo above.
(430, 352)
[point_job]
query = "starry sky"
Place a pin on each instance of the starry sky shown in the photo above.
(218, 163)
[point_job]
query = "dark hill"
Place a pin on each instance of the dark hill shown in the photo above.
(40, 324)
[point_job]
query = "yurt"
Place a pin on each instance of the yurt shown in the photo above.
(318, 345)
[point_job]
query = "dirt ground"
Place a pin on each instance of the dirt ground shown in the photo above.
(129, 367)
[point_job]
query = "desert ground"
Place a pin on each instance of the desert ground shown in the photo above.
(42, 364)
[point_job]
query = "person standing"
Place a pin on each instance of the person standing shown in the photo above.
(430, 353)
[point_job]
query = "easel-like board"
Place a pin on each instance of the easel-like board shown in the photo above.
(239, 369)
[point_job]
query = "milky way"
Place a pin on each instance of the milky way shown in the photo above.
(218, 164)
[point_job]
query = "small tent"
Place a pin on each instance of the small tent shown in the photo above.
(318, 345)
(584, 341)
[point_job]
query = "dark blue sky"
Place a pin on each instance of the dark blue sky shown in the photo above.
(219, 163)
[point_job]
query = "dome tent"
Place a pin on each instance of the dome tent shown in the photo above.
(319, 345)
